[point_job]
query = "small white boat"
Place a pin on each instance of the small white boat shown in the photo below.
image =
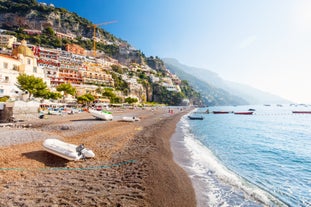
(104, 115)
(130, 118)
(66, 150)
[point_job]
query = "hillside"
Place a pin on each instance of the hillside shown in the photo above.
(248, 93)
(20, 15)
(211, 94)
(17, 17)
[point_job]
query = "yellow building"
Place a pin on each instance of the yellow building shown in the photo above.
(96, 74)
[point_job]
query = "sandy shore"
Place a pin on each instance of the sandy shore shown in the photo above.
(133, 165)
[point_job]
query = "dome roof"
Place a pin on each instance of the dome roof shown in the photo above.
(22, 49)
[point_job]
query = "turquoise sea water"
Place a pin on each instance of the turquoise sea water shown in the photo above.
(262, 159)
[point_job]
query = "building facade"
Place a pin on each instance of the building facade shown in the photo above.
(7, 41)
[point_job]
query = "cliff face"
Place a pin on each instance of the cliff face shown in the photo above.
(60, 22)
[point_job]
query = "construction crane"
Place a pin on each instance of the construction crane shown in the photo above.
(94, 34)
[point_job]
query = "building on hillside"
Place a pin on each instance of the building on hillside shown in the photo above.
(48, 60)
(95, 74)
(154, 79)
(8, 76)
(83, 89)
(171, 87)
(7, 41)
(32, 31)
(65, 36)
(136, 90)
(71, 67)
(175, 79)
(76, 49)
(21, 61)
(28, 61)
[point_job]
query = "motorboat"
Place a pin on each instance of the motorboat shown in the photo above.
(244, 113)
(130, 118)
(196, 117)
(301, 112)
(66, 150)
(103, 115)
(221, 112)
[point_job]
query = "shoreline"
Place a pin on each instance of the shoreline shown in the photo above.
(133, 164)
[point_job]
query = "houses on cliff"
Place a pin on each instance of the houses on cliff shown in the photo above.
(72, 65)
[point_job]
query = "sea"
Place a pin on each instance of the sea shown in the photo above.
(262, 159)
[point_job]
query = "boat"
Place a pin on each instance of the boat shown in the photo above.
(66, 150)
(251, 109)
(202, 112)
(196, 117)
(244, 113)
(130, 118)
(301, 112)
(103, 115)
(221, 112)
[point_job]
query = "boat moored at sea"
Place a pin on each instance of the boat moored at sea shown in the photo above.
(301, 112)
(196, 117)
(221, 112)
(244, 113)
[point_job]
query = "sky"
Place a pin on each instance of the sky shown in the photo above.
(262, 43)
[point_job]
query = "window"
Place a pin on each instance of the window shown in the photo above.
(1, 91)
(6, 79)
(5, 65)
(28, 61)
(15, 67)
(34, 69)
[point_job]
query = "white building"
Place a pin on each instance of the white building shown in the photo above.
(21, 61)
(8, 76)
(171, 87)
(28, 62)
(6, 41)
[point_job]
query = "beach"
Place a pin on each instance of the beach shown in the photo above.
(133, 164)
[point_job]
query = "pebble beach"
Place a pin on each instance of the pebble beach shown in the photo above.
(133, 164)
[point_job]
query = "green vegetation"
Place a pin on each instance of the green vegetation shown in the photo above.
(162, 95)
(117, 69)
(108, 93)
(119, 83)
(190, 93)
(4, 98)
(32, 85)
(130, 100)
(86, 98)
(52, 95)
(84, 28)
(66, 88)
(35, 87)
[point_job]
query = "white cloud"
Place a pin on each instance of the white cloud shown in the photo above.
(247, 42)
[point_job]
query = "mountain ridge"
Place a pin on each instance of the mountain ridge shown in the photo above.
(250, 94)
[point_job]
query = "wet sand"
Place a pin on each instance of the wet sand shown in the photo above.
(133, 165)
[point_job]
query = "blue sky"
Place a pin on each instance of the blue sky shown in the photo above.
(262, 43)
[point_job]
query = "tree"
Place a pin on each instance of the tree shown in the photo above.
(130, 100)
(49, 32)
(32, 85)
(117, 69)
(52, 95)
(4, 98)
(86, 98)
(112, 96)
(66, 88)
